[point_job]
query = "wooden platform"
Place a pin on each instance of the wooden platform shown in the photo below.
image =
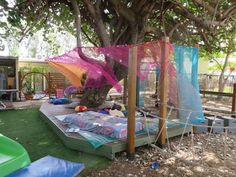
(77, 142)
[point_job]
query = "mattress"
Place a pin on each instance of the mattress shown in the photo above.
(99, 123)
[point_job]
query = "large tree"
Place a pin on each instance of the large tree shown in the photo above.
(228, 49)
(112, 22)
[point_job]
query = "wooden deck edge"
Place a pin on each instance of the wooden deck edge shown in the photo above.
(107, 150)
(79, 144)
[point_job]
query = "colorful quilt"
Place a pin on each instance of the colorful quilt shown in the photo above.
(99, 123)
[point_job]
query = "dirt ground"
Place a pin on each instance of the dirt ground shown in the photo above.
(197, 156)
(224, 104)
(25, 104)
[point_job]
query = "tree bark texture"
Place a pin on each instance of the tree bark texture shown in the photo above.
(129, 24)
(221, 78)
(129, 31)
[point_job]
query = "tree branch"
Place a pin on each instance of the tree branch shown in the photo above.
(76, 13)
(179, 9)
(100, 27)
(209, 8)
(218, 63)
(120, 34)
(204, 38)
(229, 10)
(90, 40)
(123, 11)
(170, 34)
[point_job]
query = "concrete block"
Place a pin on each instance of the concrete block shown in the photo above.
(217, 124)
(231, 123)
(202, 128)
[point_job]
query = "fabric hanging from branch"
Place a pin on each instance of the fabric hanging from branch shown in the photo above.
(181, 65)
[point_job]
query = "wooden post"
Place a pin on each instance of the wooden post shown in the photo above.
(163, 92)
(19, 83)
(234, 100)
(131, 102)
(125, 91)
(49, 85)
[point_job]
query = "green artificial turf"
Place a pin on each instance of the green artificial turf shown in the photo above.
(26, 127)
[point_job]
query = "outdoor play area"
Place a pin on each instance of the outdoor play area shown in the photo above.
(118, 89)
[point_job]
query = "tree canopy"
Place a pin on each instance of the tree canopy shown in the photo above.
(110, 22)
(113, 22)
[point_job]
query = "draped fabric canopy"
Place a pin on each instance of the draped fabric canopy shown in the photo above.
(92, 61)
(181, 63)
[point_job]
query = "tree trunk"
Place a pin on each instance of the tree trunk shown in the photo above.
(221, 78)
(76, 12)
(93, 97)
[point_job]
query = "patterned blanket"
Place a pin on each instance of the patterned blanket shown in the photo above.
(99, 123)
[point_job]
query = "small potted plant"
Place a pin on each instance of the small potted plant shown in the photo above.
(28, 91)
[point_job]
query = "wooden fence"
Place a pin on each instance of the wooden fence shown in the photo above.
(49, 81)
(210, 82)
(232, 95)
(57, 81)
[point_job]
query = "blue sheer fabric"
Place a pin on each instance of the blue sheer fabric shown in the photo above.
(186, 59)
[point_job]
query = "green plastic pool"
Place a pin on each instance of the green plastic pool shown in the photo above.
(13, 156)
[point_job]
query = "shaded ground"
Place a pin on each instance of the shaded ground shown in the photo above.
(200, 156)
(224, 103)
(195, 157)
(24, 104)
(26, 127)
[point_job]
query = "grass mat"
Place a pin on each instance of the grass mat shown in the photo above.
(26, 127)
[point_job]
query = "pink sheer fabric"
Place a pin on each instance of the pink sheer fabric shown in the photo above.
(100, 73)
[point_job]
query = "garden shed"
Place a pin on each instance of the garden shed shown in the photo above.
(9, 77)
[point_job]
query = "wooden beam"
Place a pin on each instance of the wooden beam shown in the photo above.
(234, 99)
(205, 92)
(208, 111)
(131, 102)
(163, 92)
